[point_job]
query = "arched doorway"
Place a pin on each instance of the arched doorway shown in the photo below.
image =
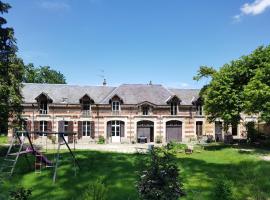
(115, 131)
(174, 131)
(145, 129)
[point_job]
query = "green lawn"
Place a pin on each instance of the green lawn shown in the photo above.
(3, 139)
(199, 171)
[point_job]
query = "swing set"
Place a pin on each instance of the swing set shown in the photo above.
(20, 147)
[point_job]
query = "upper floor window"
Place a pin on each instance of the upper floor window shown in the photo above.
(174, 108)
(115, 106)
(86, 102)
(43, 100)
(43, 107)
(145, 110)
(199, 110)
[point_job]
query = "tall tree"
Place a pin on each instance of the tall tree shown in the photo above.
(240, 86)
(11, 74)
(42, 74)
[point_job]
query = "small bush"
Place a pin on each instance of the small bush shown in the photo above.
(101, 140)
(159, 139)
(20, 193)
(223, 189)
(160, 178)
(174, 147)
(96, 191)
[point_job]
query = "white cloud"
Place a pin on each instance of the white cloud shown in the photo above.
(55, 5)
(177, 85)
(255, 8)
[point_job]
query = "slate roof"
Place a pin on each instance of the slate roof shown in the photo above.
(187, 96)
(58, 92)
(129, 93)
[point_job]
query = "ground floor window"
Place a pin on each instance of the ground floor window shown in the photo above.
(43, 126)
(115, 128)
(234, 130)
(199, 128)
(86, 128)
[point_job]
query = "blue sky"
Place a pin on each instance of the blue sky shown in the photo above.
(134, 41)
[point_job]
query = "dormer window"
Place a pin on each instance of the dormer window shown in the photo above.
(116, 102)
(43, 100)
(43, 107)
(145, 110)
(115, 106)
(199, 110)
(174, 108)
(86, 102)
(174, 101)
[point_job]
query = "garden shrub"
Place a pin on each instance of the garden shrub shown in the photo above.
(96, 191)
(175, 147)
(101, 140)
(223, 189)
(160, 177)
(20, 193)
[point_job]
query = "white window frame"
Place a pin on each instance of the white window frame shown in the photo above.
(116, 106)
(86, 129)
(116, 129)
(174, 108)
(42, 125)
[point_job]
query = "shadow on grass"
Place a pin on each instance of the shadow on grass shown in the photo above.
(120, 173)
(216, 146)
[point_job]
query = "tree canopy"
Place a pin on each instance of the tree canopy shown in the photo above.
(42, 74)
(11, 73)
(239, 86)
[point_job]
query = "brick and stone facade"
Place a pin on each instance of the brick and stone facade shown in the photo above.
(126, 114)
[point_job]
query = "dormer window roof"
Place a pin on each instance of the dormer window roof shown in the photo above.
(43, 97)
(116, 98)
(86, 99)
(173, 99)
(146, 103)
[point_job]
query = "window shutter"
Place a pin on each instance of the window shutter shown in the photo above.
(79, 129)
(70, 132)
(36, 129)
(49, 126)
(49, 129)
(92, 129)
(61, 128)
(28, 126)
(109, 130)
(122, 129)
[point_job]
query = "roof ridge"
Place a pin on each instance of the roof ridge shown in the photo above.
(65, 84)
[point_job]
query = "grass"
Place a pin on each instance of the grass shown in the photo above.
(3, 139)
(199, 171)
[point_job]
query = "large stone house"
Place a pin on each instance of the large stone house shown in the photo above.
(125, 114)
